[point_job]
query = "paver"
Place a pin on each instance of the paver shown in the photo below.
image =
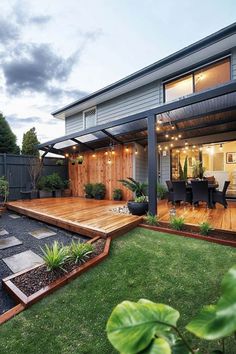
(23, 260)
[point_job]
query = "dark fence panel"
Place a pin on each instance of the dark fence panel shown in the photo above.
(16, 169)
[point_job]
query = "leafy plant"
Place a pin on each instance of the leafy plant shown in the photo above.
(99, 190)
(152, 219)
(138, 188)
(147, 327)
(60, 162)
(161, 191)
(183, 171)
(177, 223)
(117, 194)
(66, 183)
(205, 227)
(80, 159)
(50, 182)
(79, 252)
(73, 161)
(141, 199)
(4, 189)
(88, 188)
(54, 256)
(198, 170)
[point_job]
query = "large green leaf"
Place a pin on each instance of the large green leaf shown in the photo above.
(176, 343)
(218, 321)
(132, 326)
(158, 346)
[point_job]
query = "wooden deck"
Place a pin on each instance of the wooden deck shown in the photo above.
(219, 218)
(84, 216)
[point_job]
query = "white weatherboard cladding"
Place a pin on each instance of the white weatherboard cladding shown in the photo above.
(74, 123)
(164, 168)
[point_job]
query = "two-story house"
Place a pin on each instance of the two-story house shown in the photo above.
(146, 124)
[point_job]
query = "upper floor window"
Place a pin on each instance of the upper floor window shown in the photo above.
(202, 79)
(90, 117)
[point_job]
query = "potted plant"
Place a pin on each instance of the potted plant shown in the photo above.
(55, 183)
(66, 189)
(88, 188)
(80, 159)
(73, 161)
(139, 206)
(117, 194)
(198, 170)
(99, 191)
(4, 192)
(45, 190)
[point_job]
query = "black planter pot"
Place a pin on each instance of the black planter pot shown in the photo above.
(99, 196)
(137, 208)
(88, 196)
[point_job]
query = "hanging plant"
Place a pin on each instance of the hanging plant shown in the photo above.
(80, 159)
(73, 161)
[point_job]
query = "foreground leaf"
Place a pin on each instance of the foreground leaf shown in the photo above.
(218, 321)
(158, 346)
(132, 326)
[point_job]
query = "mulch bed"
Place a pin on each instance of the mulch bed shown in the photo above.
(38, 278)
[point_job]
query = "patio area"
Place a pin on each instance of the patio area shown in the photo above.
(87, 217)
(96, 217)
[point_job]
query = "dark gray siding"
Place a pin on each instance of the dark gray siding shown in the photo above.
(74, 123)
(233, 63)
(140, 164)
(138, 100)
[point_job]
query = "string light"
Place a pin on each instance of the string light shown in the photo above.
(221, 146)
(106, 153)
(93, 155)
(127, 149)
(136, 152)
(113, 152)
(66, 155)
(109, 161)
(74, 147)
(167, 135)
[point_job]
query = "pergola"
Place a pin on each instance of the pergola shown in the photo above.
(209, 112)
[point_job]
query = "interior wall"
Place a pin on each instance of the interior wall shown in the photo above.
(96, 169)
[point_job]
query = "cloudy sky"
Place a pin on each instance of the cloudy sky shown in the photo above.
(53, 52)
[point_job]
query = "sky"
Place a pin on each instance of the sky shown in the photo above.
(53, 52)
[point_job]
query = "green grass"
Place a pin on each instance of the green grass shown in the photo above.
(181, 272)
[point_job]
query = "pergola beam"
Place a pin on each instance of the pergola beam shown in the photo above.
(82, 144)
(112, 137)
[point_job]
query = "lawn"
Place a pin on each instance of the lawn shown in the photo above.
(181, 272)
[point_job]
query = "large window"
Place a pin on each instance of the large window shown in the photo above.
(179, 88)
(90, 118)
(199, 80)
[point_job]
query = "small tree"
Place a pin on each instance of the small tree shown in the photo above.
(35, 168)
(30, 142)
(7, 138)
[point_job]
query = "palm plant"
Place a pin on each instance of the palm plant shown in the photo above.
(138, 188)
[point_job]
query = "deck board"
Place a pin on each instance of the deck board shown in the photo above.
(85, 216)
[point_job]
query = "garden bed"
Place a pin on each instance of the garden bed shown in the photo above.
(219, 236)
(29, 286)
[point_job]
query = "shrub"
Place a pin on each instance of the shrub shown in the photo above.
(4, 189)
(88, 188)
(54, 256)
(117, 194)
(50, 182)
(152, 219)
(99, 190)
(79, 252)
(66, 183)
(177, 223)
(141, 199)
(205, 228)
(161, 191)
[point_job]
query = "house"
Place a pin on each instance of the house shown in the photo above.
(146, 124)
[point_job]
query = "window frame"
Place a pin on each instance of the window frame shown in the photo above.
(84, 118)
(191, 72)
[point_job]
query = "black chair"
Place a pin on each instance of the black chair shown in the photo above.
(180, 192)
(170, 194)
(220, 196)
(200, 192)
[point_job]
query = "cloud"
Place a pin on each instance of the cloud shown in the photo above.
(8, 31)
(35, 67)
(17, 122)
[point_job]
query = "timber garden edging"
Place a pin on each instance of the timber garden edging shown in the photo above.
(209, 238)
(26, 301)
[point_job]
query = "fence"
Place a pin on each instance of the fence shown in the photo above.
(16, 170)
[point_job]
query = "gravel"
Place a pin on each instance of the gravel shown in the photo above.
(20, 228)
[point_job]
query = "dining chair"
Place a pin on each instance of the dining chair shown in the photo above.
(200, 192)
(220, 196)
(170, 194)
(180, 192)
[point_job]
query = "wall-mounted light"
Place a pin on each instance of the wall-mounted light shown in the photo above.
(221, 147)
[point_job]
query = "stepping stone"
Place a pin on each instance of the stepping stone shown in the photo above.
(23, 260)
(42, 233)
(9, 242)
(3, 232)
(14, 216)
